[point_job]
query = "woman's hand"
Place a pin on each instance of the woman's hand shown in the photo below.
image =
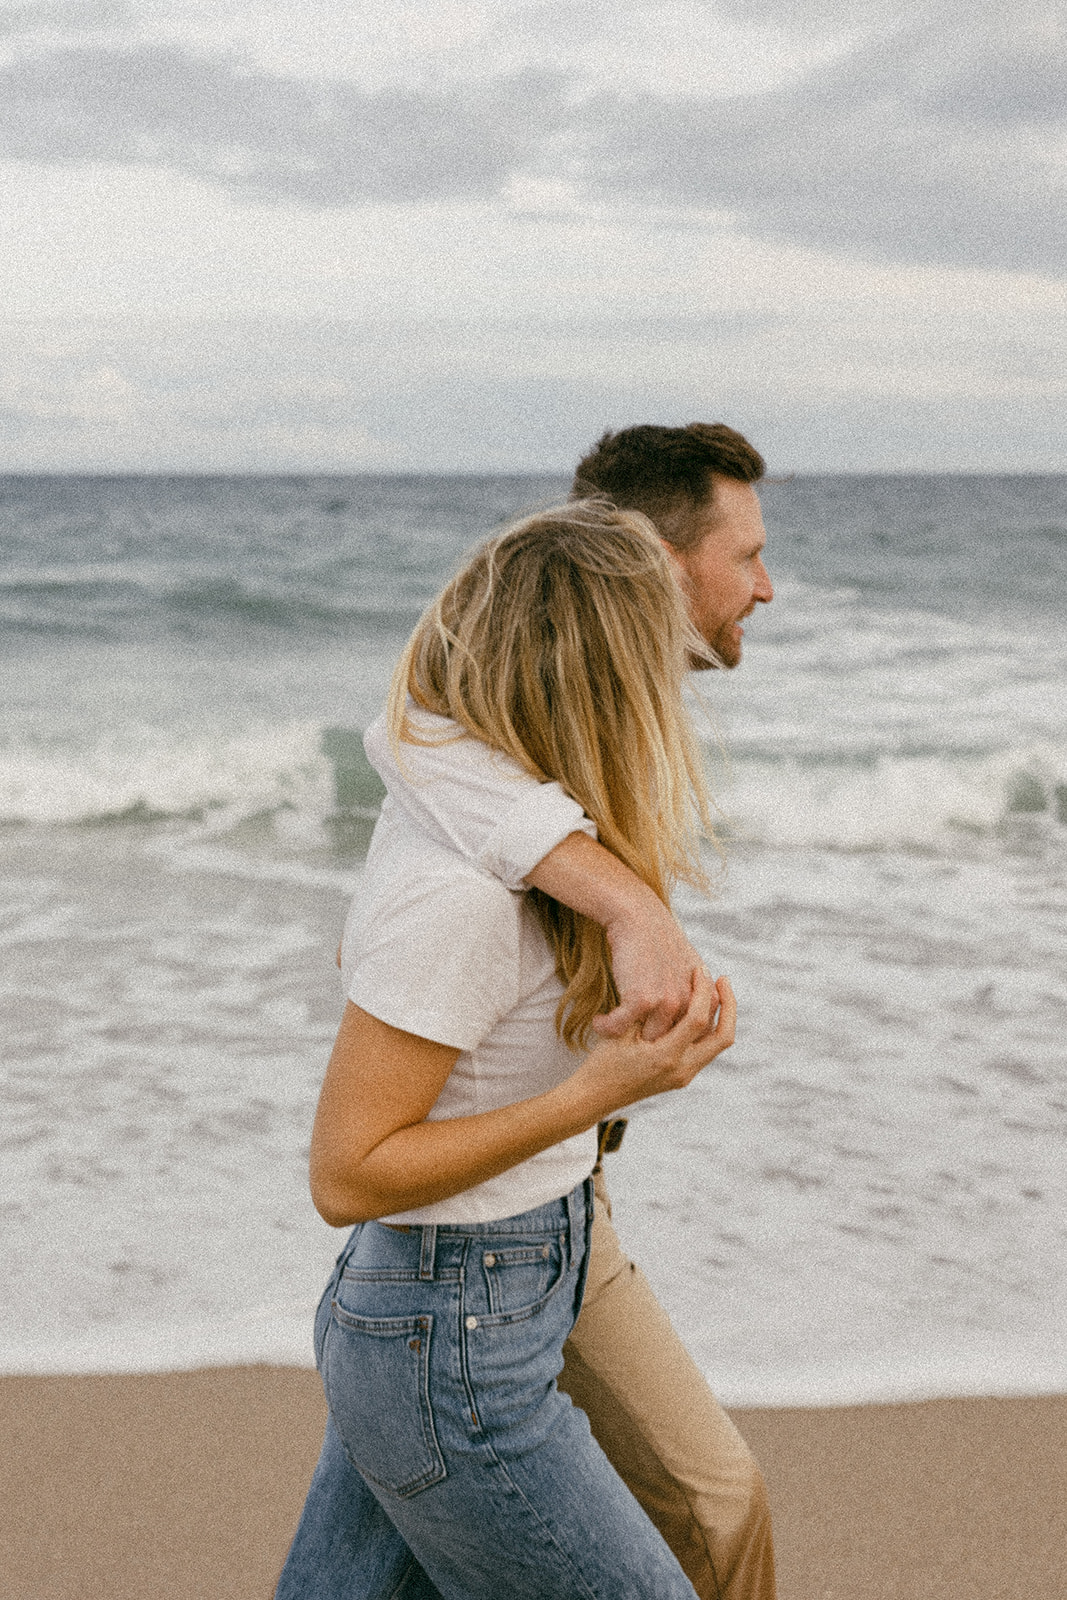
(617, 1072)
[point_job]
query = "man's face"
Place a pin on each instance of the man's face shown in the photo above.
(722, 573)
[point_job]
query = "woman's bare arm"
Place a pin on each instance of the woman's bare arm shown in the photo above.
(374, 1153)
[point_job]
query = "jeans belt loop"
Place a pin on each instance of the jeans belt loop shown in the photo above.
(429, 1247)
(575, 1225)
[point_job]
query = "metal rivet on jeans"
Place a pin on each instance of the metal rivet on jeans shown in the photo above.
(490, 1260)
(472, 1322)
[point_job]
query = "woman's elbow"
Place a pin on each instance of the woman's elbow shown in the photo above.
(338, 1216)
(338, 1200)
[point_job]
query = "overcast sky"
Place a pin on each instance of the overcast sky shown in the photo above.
(405, 234)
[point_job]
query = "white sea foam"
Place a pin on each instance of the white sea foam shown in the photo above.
(1008, 1372)
(276, 1335)
(148, 772)
(895, 802)
(281, 1335)
(928, 801)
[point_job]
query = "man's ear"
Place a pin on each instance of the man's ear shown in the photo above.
(678, 565)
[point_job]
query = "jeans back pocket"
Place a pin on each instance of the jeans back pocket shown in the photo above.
(520, 1278)
(376, 1373)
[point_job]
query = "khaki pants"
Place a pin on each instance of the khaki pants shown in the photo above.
(663, 1430)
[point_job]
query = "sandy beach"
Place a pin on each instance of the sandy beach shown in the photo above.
(189, 1485)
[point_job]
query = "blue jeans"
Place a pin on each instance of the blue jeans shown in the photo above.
(453, 1467)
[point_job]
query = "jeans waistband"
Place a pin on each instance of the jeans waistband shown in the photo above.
(567, 1215)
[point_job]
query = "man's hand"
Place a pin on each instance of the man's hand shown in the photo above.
(654, 966)
(653, 962)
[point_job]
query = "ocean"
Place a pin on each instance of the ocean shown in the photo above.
(865, 1199)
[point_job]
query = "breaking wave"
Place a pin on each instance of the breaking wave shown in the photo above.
(314, 775)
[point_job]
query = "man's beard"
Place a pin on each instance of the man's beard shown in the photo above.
(723, 650)
(727, 646)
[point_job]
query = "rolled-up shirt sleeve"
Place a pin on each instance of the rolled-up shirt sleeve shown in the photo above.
(475, 800)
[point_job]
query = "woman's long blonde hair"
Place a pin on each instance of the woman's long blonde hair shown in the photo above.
(564, 643)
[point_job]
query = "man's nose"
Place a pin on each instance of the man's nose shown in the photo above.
(764, 589)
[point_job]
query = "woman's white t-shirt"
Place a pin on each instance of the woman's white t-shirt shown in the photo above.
(438, 947)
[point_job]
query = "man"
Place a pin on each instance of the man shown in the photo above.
(695, 484)
(648, 1405)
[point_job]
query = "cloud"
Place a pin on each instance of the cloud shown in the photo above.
(930, 146)
(63, 17)
(941, 141)
(277, 394)
(269, 137)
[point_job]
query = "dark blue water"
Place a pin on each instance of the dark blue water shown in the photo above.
(196, 559)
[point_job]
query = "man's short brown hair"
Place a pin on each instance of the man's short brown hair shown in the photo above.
(666, 472)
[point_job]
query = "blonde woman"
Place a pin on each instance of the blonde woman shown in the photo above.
(457, 1123)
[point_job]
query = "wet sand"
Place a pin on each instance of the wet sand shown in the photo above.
(189, 1485)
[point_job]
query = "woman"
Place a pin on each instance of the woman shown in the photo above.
(456, 1126)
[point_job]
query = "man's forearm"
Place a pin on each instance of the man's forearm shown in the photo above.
(582, 874)
(652, 960)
